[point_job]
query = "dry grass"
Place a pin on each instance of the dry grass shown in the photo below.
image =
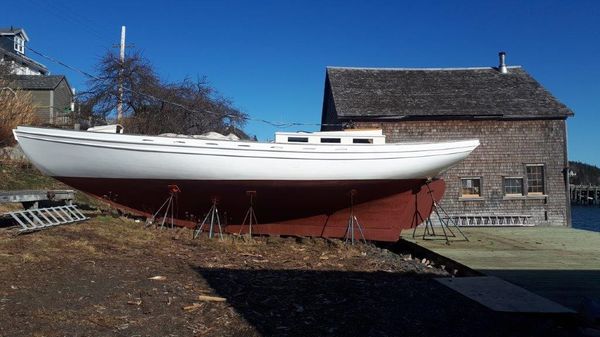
(121, 232)
(16, 108)
(10, 207)
(83, 246)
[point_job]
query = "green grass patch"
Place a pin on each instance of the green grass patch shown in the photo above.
(19, 175)
(23, 176)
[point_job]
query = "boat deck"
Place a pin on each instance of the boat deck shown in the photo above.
(562, 264)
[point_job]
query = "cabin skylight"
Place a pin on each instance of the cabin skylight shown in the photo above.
(332, 137)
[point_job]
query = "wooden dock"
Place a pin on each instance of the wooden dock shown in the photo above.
(35, 196)
(561, 264)
(585, 194)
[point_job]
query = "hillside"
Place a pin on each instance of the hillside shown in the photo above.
(585, 174)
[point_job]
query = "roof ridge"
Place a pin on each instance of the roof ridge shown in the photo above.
(37, 82)
(38, 76)
(421, 69)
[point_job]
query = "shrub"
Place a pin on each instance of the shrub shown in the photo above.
(16, 108)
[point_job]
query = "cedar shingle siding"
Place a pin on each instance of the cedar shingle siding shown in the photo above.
(517, 121)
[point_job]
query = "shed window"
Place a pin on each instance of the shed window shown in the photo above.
(535, 179)
(298, 139)
(19, 45)
(331, 140)
(362, 140)
(513, 186)
(470, 187)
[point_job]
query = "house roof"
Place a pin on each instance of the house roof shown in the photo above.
(36, 82)
(440, 92)
(23, 59)
(14, 31)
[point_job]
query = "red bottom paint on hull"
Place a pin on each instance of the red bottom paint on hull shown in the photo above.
(304, 208)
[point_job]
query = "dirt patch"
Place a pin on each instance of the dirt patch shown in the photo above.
(112, 277)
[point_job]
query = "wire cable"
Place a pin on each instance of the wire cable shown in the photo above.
(188, 109)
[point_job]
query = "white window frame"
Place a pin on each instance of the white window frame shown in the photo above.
(543, 176)
(19, 44)
(471, 196)
(513, 194)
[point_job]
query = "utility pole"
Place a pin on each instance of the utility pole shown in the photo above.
(120, 99)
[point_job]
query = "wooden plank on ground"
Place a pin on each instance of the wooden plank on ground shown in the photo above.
(499, 295)
(35, 195)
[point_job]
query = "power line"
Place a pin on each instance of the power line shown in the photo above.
(260, 120)
(65, 13)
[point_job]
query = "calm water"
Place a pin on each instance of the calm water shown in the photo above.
(586, 217)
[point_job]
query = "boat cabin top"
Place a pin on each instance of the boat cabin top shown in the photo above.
(332, 137)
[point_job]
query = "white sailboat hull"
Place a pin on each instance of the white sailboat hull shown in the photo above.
(62, 153)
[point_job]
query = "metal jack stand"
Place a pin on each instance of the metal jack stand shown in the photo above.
(445, 223)
(169, 206)
(250, 214)
(352, 222)
(214, 219)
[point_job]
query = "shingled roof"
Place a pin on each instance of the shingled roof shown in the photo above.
(13, 31)
(447, 92)
(35, 82)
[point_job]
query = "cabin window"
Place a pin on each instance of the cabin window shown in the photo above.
(19, 45)
(362, 140)
(470, 187)
(298, 139)
(331, 140)
(535, 179)
(513, 186)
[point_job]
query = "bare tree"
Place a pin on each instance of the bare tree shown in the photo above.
(153, 106)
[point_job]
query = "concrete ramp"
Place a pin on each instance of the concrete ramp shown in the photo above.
(499, 295)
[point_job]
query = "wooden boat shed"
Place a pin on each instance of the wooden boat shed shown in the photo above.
(519, 174)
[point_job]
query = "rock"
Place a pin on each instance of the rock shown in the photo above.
(12, 153)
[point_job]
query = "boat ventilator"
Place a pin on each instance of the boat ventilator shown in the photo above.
(213, 214)
(446, 223)
(40, 218)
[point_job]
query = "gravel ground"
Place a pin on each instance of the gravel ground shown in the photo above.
(111, 277)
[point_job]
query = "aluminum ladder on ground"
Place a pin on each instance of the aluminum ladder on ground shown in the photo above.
(482, 220)
(40, 218)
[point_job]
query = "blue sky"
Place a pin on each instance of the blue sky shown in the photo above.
(269, 57)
